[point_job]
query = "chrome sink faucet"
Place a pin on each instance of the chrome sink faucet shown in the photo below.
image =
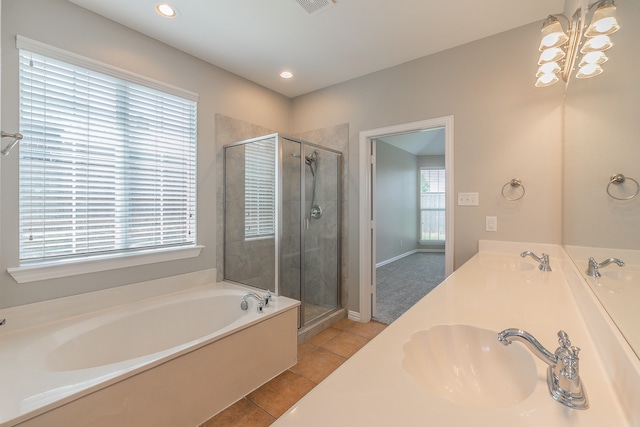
(544, 260)
(563, 376)
(592, 270)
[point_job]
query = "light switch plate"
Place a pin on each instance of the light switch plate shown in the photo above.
(468, 199)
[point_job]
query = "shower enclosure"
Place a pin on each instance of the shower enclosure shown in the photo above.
(281, 221)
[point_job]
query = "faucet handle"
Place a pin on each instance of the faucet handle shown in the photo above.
(267, 298)
(563, 339)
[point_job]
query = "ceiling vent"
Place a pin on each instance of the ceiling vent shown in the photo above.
(315, 6)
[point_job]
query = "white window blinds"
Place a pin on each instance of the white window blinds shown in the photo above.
(260, 189)
(106, 165)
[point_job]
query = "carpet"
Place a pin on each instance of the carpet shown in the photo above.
(402, 283)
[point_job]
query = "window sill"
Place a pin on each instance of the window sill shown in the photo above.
(34, 273)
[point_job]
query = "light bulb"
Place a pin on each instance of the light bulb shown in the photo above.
(546, 80)
(552, 34)
(593, 58)
(596, 44)
(589, 70)
(604, 20)
(551, 55)
(166, 10)
(548, 68)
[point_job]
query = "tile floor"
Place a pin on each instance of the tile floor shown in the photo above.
(317, 358)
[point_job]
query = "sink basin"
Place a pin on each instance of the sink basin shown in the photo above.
(467, 365)
(622, 276)
(507, 264)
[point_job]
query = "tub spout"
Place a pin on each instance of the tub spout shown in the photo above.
(563, 376)
(244, 304)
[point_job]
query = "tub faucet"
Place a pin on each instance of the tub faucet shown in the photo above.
(563, 376)
(245, 304)
(544, 261)
(592, 270)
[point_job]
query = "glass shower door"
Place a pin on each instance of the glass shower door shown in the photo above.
(321, 251)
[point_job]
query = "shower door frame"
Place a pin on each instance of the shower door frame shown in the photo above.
(303, 217)
(278, 232)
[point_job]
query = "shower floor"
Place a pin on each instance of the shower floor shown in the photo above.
(312, 312)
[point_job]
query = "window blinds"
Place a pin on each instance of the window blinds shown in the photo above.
(106, 165)
(260, 189)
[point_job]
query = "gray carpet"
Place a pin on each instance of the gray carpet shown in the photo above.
(402, 283)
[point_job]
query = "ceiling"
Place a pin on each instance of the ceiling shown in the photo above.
(428, 142)
(257, 39)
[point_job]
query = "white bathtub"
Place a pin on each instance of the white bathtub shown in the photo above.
(170, 360)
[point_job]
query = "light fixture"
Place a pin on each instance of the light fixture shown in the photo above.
(166, 10)
(286, 74)
(559, 49)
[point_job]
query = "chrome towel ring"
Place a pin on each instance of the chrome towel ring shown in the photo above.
(619, 179)
(514, 183)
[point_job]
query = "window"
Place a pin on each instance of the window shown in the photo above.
(260, 189)
(107, 165)
(432, 205)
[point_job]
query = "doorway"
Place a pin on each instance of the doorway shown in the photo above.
(368, 218)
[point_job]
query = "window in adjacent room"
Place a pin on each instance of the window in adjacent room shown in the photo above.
(107, 164)
(432, 205)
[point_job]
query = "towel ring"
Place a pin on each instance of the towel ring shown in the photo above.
(514, 183)
(618, 178)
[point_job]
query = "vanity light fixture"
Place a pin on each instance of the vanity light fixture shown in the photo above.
(286, 74)
(559, 49)
(166, 10)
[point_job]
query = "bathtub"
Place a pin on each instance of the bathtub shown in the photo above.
(170, 360)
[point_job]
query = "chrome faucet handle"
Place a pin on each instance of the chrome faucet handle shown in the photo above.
(267, 298)
(594, 266)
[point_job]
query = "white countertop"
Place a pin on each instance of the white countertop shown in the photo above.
(372, 388)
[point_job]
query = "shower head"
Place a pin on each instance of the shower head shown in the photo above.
(311, 158)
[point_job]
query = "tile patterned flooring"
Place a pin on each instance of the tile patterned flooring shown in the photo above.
(317, 358)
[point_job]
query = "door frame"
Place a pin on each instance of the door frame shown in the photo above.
(367, 208)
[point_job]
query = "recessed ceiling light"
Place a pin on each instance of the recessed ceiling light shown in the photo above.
(286, 74)
(166, 10)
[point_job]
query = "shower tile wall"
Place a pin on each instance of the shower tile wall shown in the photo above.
(321, 245)
(336, 138)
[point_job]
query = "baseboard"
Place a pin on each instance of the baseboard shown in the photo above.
(395, 258)
(354, 315)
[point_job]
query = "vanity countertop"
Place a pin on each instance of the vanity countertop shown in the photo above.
(495, 290)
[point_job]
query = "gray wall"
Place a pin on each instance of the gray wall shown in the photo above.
(66, 26)
(504, 128)
(397, 208)
(602, 138)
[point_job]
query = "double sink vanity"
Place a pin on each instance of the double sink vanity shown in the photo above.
(442, 363)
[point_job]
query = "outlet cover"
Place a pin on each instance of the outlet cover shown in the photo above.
(491, 223)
